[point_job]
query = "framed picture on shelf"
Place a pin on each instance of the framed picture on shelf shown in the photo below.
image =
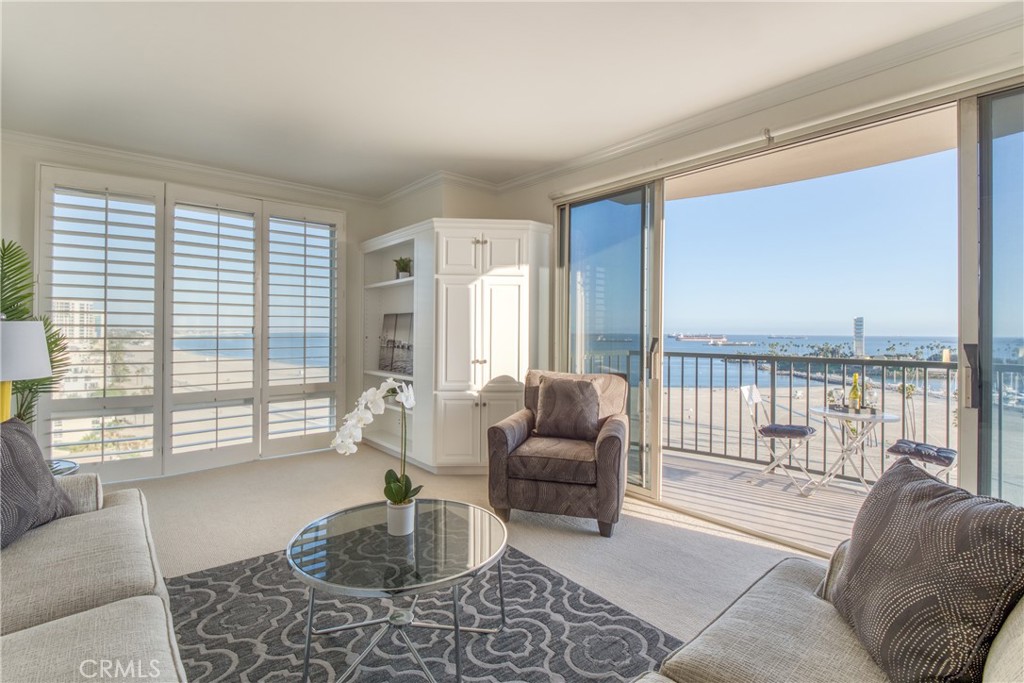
(396, 344)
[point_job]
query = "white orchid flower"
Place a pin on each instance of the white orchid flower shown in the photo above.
(343, 443)
(387, 385)
(405, 396)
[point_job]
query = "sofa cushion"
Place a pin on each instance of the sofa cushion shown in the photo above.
(930, 575)
(135, 636)
(562, 460)
(918, 450)
(79, 562)
(775, 431)
(568, 409)
(29, 497)
(776, 631)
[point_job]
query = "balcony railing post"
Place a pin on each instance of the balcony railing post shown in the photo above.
(772, 365)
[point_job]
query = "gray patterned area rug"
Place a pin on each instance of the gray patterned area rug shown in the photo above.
(245, 621)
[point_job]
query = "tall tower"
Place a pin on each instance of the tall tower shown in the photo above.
(858, 337)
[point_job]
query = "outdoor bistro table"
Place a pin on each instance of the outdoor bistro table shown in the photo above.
(350, 553)
(868, 420)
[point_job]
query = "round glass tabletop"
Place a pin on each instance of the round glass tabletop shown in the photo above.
(350, 552)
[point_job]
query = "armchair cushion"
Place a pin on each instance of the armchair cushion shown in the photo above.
(568, 409)
(562, 460)
(930, 575)
(29, 496)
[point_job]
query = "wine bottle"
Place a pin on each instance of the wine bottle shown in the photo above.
(854, 397)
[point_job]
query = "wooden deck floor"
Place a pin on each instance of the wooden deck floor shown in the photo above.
(739, 496)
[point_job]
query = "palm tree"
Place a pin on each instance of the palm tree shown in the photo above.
(17, 291)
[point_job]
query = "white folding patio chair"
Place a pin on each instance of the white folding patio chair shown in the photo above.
(794, 436)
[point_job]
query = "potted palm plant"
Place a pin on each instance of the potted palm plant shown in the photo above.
(17, 292)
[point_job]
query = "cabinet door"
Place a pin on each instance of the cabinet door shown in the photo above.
(493, 409)
(457, 340)
(458, 252)
(458, 429)
(504, 252)
(503, 329)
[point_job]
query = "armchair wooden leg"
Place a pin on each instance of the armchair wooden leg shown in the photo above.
(606, 528)
(503, 513)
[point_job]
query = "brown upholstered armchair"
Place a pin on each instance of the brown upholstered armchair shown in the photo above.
(565, 452)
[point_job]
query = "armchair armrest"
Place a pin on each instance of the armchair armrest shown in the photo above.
(84, 490)
(510, 433)
(502, 439)
(612, 443)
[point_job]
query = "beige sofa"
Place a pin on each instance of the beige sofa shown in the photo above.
(82, 598)
(780, 630)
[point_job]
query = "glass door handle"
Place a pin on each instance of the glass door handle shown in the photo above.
(973, 376)
(653, 371)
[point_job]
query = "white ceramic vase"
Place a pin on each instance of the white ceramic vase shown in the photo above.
(401, 518)
(402, 276)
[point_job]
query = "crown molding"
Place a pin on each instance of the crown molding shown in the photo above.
(1004, 18)
(70, 147)
(435, 179)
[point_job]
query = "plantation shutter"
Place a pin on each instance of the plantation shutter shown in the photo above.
(214, 331)
(100, 288)
(302, 298)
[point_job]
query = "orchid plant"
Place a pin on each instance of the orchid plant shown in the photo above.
(398, 487)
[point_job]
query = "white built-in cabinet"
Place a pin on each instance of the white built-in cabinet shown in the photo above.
(479, 295)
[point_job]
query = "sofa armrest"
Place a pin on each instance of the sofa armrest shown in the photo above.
(85, 491)
(502, 439)
(611, 446)
(835, 565)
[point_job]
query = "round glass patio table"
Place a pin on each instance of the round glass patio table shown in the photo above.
(351, 553)
(853, 439)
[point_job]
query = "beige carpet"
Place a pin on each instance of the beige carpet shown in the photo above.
(674, 571)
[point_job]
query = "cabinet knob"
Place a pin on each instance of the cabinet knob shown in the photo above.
(483, 360)
(484, 404)
(476, 405)
(483, 241)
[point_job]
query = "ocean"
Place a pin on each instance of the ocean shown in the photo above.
(608, 352)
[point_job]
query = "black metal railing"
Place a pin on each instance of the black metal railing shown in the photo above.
(704, 412)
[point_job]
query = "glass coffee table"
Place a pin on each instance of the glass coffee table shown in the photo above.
(350, 553)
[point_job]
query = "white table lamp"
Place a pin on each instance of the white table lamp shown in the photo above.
(23, 355)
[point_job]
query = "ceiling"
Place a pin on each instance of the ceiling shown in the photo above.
(906, 137)
(367, 98)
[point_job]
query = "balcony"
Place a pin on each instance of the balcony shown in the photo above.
(712, 460)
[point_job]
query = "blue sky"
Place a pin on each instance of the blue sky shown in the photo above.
(808, 257)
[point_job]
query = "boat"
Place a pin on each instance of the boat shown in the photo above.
(726, 342)
(700, 337)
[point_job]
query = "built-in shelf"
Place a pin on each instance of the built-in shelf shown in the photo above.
(390, 283)
(385, 375)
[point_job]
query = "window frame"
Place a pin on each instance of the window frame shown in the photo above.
(162, 402)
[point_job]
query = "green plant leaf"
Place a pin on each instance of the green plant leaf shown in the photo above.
(390, 477)
(395, 492)
(412, 494)
(17, 283)
(17, 291)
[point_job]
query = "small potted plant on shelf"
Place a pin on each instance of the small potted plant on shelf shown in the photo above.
(403, 267)
(398, 488)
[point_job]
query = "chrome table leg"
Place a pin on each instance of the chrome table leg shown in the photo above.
(458, 645)
(309, 637)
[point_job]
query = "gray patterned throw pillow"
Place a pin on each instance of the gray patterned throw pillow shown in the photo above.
(568, 409)
(931, 574)
(29, 495)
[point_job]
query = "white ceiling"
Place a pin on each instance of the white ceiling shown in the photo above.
(366, 98)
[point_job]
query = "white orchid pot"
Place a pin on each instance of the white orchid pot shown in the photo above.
(401, 518)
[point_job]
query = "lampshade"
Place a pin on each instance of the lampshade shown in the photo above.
(23, 353)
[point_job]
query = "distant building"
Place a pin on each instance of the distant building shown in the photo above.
(77, 319)
(858, 336)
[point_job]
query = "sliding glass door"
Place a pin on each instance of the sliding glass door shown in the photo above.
(611, 252)
(1001, 338)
